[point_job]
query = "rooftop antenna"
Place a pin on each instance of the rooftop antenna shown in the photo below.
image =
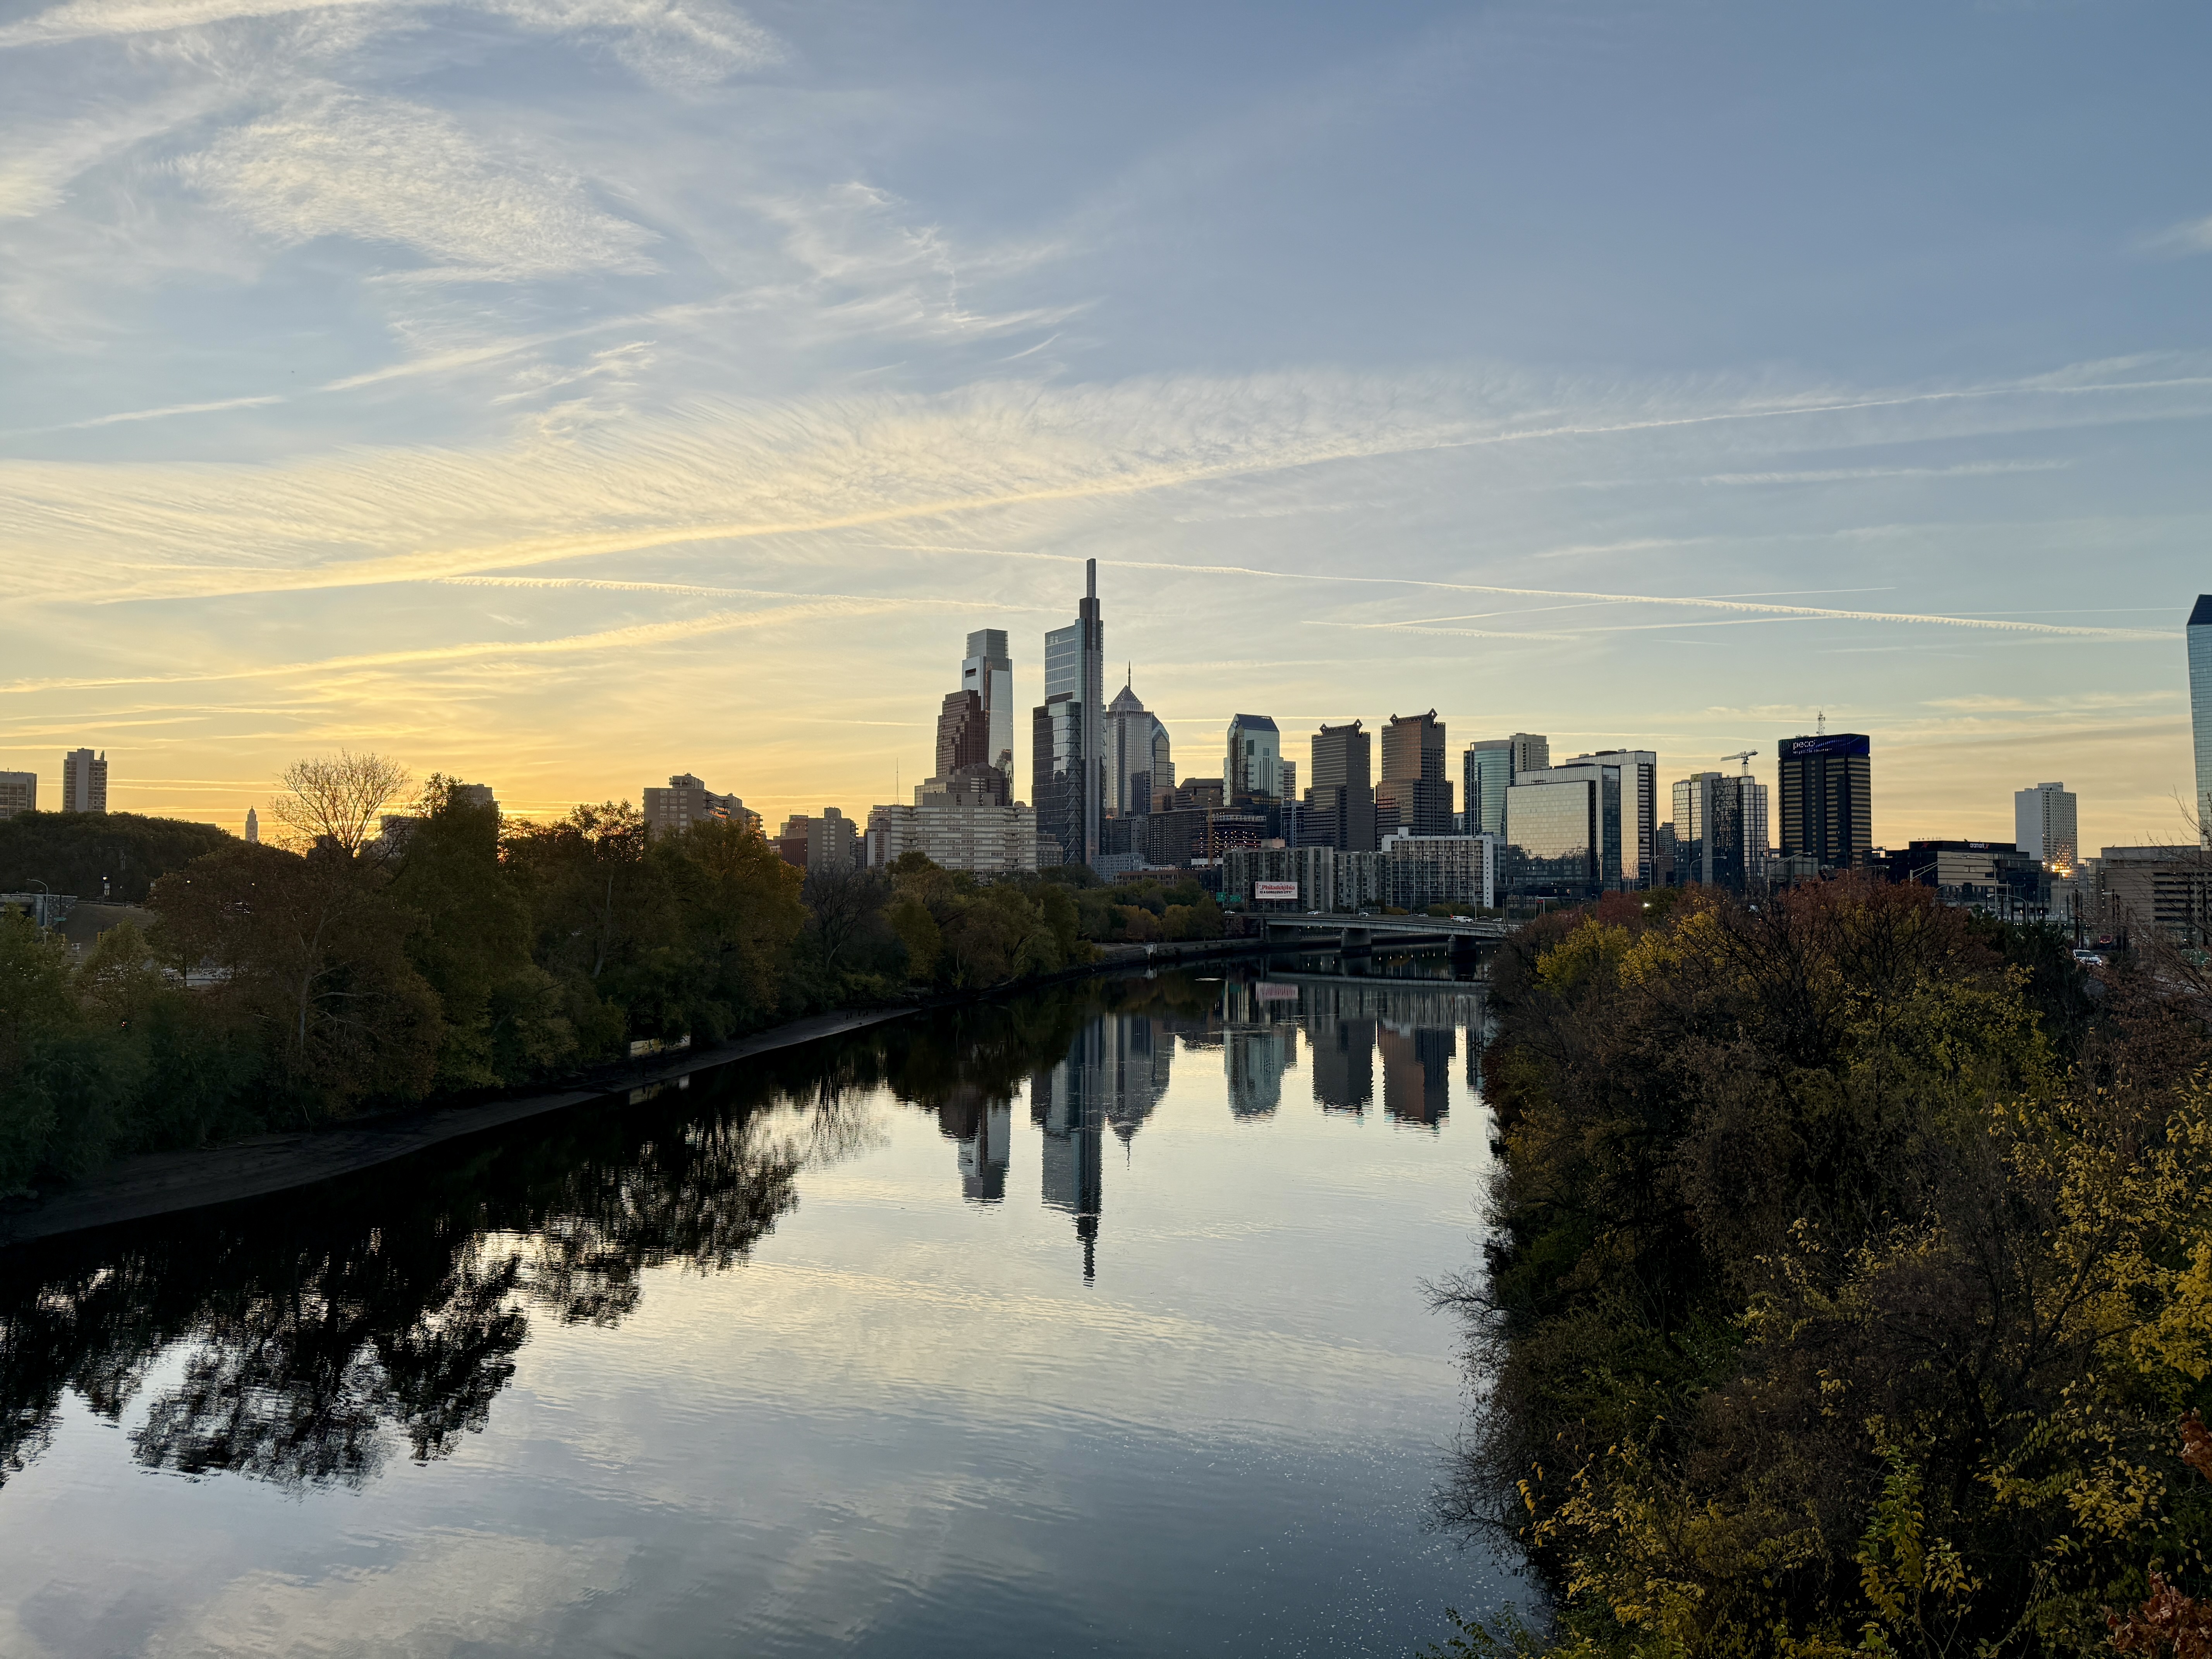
(1820, 724)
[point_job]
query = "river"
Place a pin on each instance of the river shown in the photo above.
(1091, 1322)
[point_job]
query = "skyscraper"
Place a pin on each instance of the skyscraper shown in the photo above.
(989, 672)
(1486, 769)
(1720, 830)
(1413, 792)
(1826, 791)
(1067, 732)
(2043, 820)
(84, 781)
(2200, 707)
(1138, 754)
(1252, 770)
(1486, 772)
(252, 827)
(1341, 801)
(963, 735)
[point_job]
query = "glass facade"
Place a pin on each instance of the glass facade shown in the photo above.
(1486, 770)
(1827, 805)
(1556, 848)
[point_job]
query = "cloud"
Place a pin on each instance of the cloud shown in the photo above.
(682, 43)
(381, 170)
(2192, 236)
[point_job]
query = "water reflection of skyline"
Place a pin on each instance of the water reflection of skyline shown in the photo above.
(1117, 1069)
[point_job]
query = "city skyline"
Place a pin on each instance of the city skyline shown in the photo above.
(542, 400)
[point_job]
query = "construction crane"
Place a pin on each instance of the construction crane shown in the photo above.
(1743, 754)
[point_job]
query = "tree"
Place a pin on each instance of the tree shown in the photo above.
(313, 953)
(336, 800)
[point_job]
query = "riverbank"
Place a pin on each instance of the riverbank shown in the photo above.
(163, 1183)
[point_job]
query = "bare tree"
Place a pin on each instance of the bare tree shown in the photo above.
(337, 801)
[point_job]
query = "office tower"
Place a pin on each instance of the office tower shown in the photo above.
(1252, 770)
(963, 735)
(1486, 769)
(1532, 752)
(1826, 799)
(252, 827)
(1414, 794)
(1587, 825)
(84, 781)
(1340, 800)
(2042, 821)
(1137, 756)
(19, 792)
(2199, 632)
(989, 672)
(1067, 733)
(684, 802)
(1720, 831)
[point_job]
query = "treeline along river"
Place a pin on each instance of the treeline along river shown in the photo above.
(1093, 1321)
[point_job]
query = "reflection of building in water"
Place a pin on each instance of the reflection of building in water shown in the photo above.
(1259, 1032)
(1341, 1018)
(985, 1154)
(1417, 1072)
(1115, 1072)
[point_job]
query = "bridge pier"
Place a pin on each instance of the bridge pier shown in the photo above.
(1356, 941)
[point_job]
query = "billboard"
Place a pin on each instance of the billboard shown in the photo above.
(1836, 743)
(1274, 889)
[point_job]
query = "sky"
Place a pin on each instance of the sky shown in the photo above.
(561, 394)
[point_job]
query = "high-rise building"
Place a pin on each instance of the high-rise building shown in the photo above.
(19, 792)
(989, 672)
(1826, 799)
(823, 840)
(1253, 768)
(2044, 823)
(1587, 825)
(1067, 732)
(684, 802)
(1341, 801)
(1720, 830)
(252, 827)
(963, 735)
(1414, 794)
(2199, 633)
(84, 781)
(1139, 760)
(1486, 770)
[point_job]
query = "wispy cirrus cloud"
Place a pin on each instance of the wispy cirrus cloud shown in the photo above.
(381, 170)
(680, 44)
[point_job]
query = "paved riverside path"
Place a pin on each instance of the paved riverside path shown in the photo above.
(159, 1183)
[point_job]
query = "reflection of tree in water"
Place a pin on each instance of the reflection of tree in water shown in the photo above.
(299, 1339)
(318, 1329)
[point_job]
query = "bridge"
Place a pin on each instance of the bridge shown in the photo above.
(1357, 933)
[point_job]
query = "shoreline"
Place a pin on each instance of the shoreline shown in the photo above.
(150, 1184)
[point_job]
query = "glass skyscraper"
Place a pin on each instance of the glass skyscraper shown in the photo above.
(1068, 731)
(2200, 707)
(987, 670)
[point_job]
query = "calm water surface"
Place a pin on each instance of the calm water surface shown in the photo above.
(1091, 1324)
